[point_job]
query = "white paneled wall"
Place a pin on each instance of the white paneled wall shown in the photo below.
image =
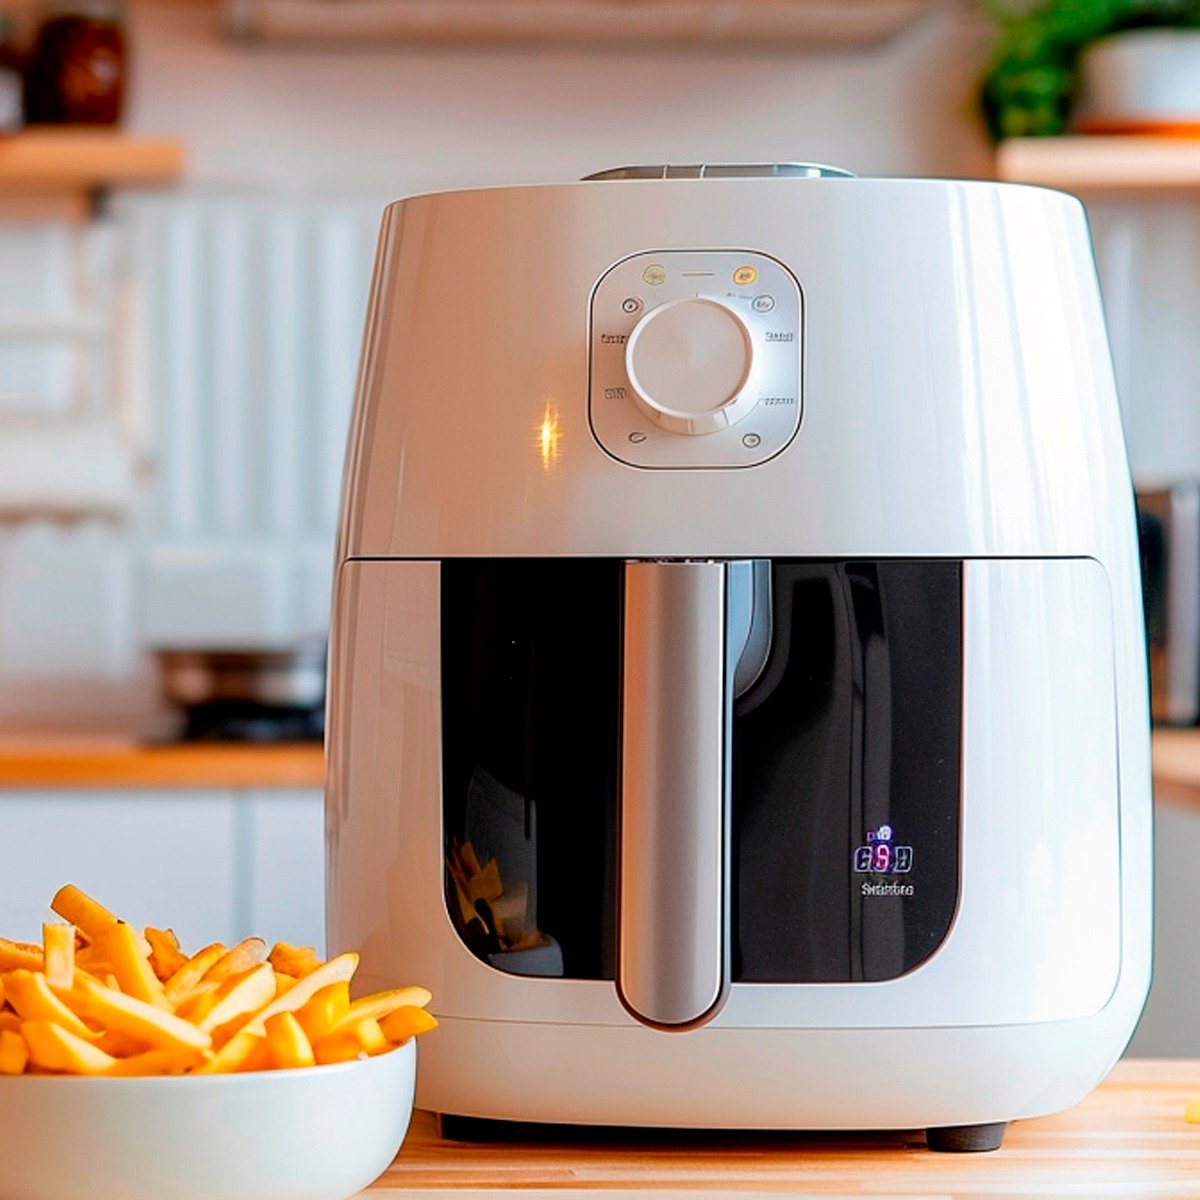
(252, 314)
(218, 335)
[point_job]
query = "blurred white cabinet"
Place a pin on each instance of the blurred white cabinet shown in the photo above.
(214, 865)
(284, 869)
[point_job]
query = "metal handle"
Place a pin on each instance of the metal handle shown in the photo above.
(673, 937)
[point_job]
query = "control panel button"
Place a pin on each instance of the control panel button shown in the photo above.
(696, 342)
(689, 361)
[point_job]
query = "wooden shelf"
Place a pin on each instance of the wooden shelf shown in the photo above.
(1177, 766)
(1135, 164)
(50, 171)
(794, 23)
(119, 765)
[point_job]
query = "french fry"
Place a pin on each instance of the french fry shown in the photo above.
(159, 1062)
(127, 1014)
(192, 972)
(199, 1003)
(20, 956)
(120, 1045)
(53, 1048)
(293, 960)
(165, 955)
(363, 1038)
(58, 943)
(241, 958)
(80, 909)
(241, 996)
(288, 1045)
(120, 944)
(380, 1004)
(99, 997)
(403, 1023)
(336, 970)
(14, 1053)
(92, 961)
(31, 996)
(240, 1053)
(324, 1010)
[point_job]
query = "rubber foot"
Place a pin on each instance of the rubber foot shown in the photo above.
(966, 1139)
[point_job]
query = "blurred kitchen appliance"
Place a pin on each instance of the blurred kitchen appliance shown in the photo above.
(737, 610)
(1169, 533)
(244, 695)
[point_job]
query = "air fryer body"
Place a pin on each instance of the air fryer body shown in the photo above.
(793, 774)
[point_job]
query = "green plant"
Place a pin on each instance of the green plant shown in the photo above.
(1030, 85)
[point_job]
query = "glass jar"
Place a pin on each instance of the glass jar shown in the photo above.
(76, 72)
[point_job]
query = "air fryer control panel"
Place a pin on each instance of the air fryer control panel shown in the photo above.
(696, 358)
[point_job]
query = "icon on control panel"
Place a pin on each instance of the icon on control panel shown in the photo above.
(752, 441)
(745, 276)
(637, 436)
(763, 303)
(632, 305)
(654, 274)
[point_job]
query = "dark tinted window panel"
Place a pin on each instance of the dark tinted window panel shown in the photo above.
(846, 779)
(531, 662)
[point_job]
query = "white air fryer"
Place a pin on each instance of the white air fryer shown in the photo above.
(738, 699)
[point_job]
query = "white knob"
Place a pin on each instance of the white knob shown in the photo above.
(688, 362)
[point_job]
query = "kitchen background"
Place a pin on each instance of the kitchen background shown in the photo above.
(176, 371)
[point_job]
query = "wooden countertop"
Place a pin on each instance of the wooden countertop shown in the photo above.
(1128, 1138)
(118, 764)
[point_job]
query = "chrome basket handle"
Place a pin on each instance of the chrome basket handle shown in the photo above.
(673, 907)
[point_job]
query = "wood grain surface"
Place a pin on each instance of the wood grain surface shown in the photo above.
(1128, 1139)
(115, 764)
(56, 158)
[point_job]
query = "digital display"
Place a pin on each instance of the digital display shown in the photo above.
(882, 855)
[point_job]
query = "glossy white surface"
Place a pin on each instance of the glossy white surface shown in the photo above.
(1043, 910)
(958, 395)
(317, 1134)
(958, 402)
(781, 1078)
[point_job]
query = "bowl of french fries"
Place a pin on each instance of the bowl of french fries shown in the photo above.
(131, 1070)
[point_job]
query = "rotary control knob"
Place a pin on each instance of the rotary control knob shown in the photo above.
(689, 362)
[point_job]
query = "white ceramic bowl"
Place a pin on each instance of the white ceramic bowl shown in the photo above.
(322, 1133)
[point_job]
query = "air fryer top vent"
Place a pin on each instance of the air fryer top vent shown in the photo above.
(725, 171)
